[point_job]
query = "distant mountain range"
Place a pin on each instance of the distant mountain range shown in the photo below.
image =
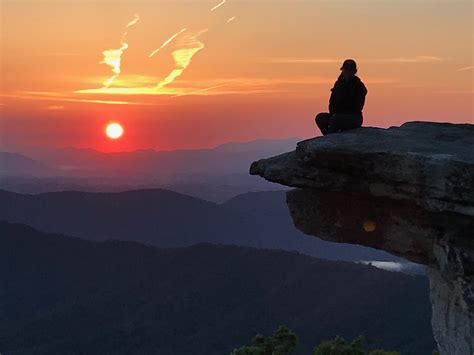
(63, 295)
(169, 219)
(12, 164)
(215, 174)
(229, 158)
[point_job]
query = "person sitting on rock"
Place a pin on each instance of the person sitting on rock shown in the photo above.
(346, 102)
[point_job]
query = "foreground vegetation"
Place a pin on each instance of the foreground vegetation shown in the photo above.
(284, 340)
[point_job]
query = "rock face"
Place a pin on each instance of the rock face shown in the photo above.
(407, 190)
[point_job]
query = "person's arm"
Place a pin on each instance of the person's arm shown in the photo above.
(332, 99)
(360, 97)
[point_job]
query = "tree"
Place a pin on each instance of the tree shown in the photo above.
(280, 343)
(340, 346)
(283, 340)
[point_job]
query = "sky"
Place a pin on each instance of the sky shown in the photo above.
(195, 74)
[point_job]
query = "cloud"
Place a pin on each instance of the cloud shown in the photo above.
(222, 86)
(54, 108)
(418, 59)
(63, 54)
(466, 68)
(141, 90)
(456, 92)
(50, 96)
(186, 44)
(194, 92)
(166, 42)
(136, 17)
(189, 46)
(124, 80)
(302, 60)
(178, 92)
(113, 57)
(218, 5)
(295, 60)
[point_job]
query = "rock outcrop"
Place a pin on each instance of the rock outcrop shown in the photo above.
(407, 190)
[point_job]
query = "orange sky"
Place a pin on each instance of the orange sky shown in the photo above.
(244, 70)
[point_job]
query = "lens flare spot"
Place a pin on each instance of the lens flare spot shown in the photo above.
(369, 226)
(114, 130)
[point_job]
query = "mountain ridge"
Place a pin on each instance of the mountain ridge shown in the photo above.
(117, 297)
(165, 218)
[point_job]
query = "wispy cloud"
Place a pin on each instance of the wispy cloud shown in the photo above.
(136, 18)
(64, 54)
(178, 92)
(302, 60)
(466, 68)
(218, 5)
(54, 108)
(180, 88)
(221, 86)
(295, 60)
(50, 96)
(188, 45)
(247, 82)
(124, 80)
(195, 92)
(455, 92)
(418, 59)
(113, 57)
(143, 90)
(166, 42)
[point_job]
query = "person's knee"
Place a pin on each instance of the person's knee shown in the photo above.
(343, 122)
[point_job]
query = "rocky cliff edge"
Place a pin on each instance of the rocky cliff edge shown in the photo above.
(407, 190)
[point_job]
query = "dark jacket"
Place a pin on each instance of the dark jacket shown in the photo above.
(347, 96)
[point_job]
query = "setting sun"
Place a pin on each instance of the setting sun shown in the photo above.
(114, 130)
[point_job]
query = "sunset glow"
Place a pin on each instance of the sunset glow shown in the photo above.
(197, 74)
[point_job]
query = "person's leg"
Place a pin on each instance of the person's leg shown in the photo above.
(343, 122)
(322, 121)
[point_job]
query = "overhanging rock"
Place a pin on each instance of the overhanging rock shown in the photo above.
(407, 190)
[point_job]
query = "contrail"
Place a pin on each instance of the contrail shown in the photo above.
(218, 5)
(200, 90)
(182, 57)
(113, 57)
(230, 19)
(134, 21)
(166, 42)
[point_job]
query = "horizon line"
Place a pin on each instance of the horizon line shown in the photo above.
(156, 150)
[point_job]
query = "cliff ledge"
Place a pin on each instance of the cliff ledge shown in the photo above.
(407, 190)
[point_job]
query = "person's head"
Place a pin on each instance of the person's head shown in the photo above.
(349, 68)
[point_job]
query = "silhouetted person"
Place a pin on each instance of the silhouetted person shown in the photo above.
(346, 102)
